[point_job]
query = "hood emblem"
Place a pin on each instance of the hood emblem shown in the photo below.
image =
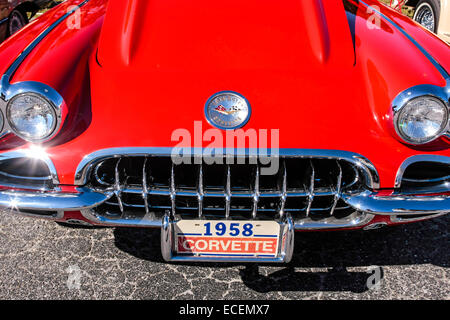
(227, 110)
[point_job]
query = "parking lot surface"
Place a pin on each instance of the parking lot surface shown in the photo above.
(44, 260)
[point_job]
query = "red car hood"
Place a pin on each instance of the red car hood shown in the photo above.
(159, 62)
(296, 62)
(164, 59)
(286, 58)
(212, 36)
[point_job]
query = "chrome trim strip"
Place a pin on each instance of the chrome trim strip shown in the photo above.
(51, 201)
(147, 222)
(436, 64)
(371, 174)
(4, 20)
(418, 158)
(357, 219)
(242, 194)
(24, 54)
(397, 219)
(373, 203)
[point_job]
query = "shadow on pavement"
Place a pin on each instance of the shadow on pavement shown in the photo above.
(419, 243)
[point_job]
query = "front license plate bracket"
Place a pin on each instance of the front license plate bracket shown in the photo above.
(275, 245)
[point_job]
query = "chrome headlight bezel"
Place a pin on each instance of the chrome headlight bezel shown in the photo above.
(42, 91)
(439, 94)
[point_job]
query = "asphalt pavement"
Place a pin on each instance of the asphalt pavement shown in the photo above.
(44, 260)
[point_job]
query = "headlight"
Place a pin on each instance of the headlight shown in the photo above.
(422, 120)
(31, 117)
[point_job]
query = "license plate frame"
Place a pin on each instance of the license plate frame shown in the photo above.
(227, 240)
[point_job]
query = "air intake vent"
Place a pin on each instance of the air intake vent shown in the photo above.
(427, 177)
(26, 173)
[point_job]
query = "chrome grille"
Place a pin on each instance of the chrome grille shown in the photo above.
(306, 187)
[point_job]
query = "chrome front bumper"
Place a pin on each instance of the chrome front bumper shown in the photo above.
(371, 203)
(398, 204)
(51, 203)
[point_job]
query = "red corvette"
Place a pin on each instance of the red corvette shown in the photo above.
(227, 124)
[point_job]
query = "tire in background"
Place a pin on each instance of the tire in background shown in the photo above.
(17, 20)
(427, 10)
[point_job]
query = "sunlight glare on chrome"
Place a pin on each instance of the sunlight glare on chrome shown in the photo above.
(36, 152)
(13, 204)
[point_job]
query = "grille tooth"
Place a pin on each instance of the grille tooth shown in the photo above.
(256, 192)
(228, 193)
(200, 191)
(144, 186)
(306, 188)
(337, 194)
(283, 190)
(172, 189)
(117, 186)
(311, 188)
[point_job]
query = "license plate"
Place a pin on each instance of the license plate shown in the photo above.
(239, 239)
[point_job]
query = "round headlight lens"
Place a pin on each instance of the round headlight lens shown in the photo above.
(31, 117)
(422, 120)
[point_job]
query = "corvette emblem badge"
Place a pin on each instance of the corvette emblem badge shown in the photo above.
(227, 110)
